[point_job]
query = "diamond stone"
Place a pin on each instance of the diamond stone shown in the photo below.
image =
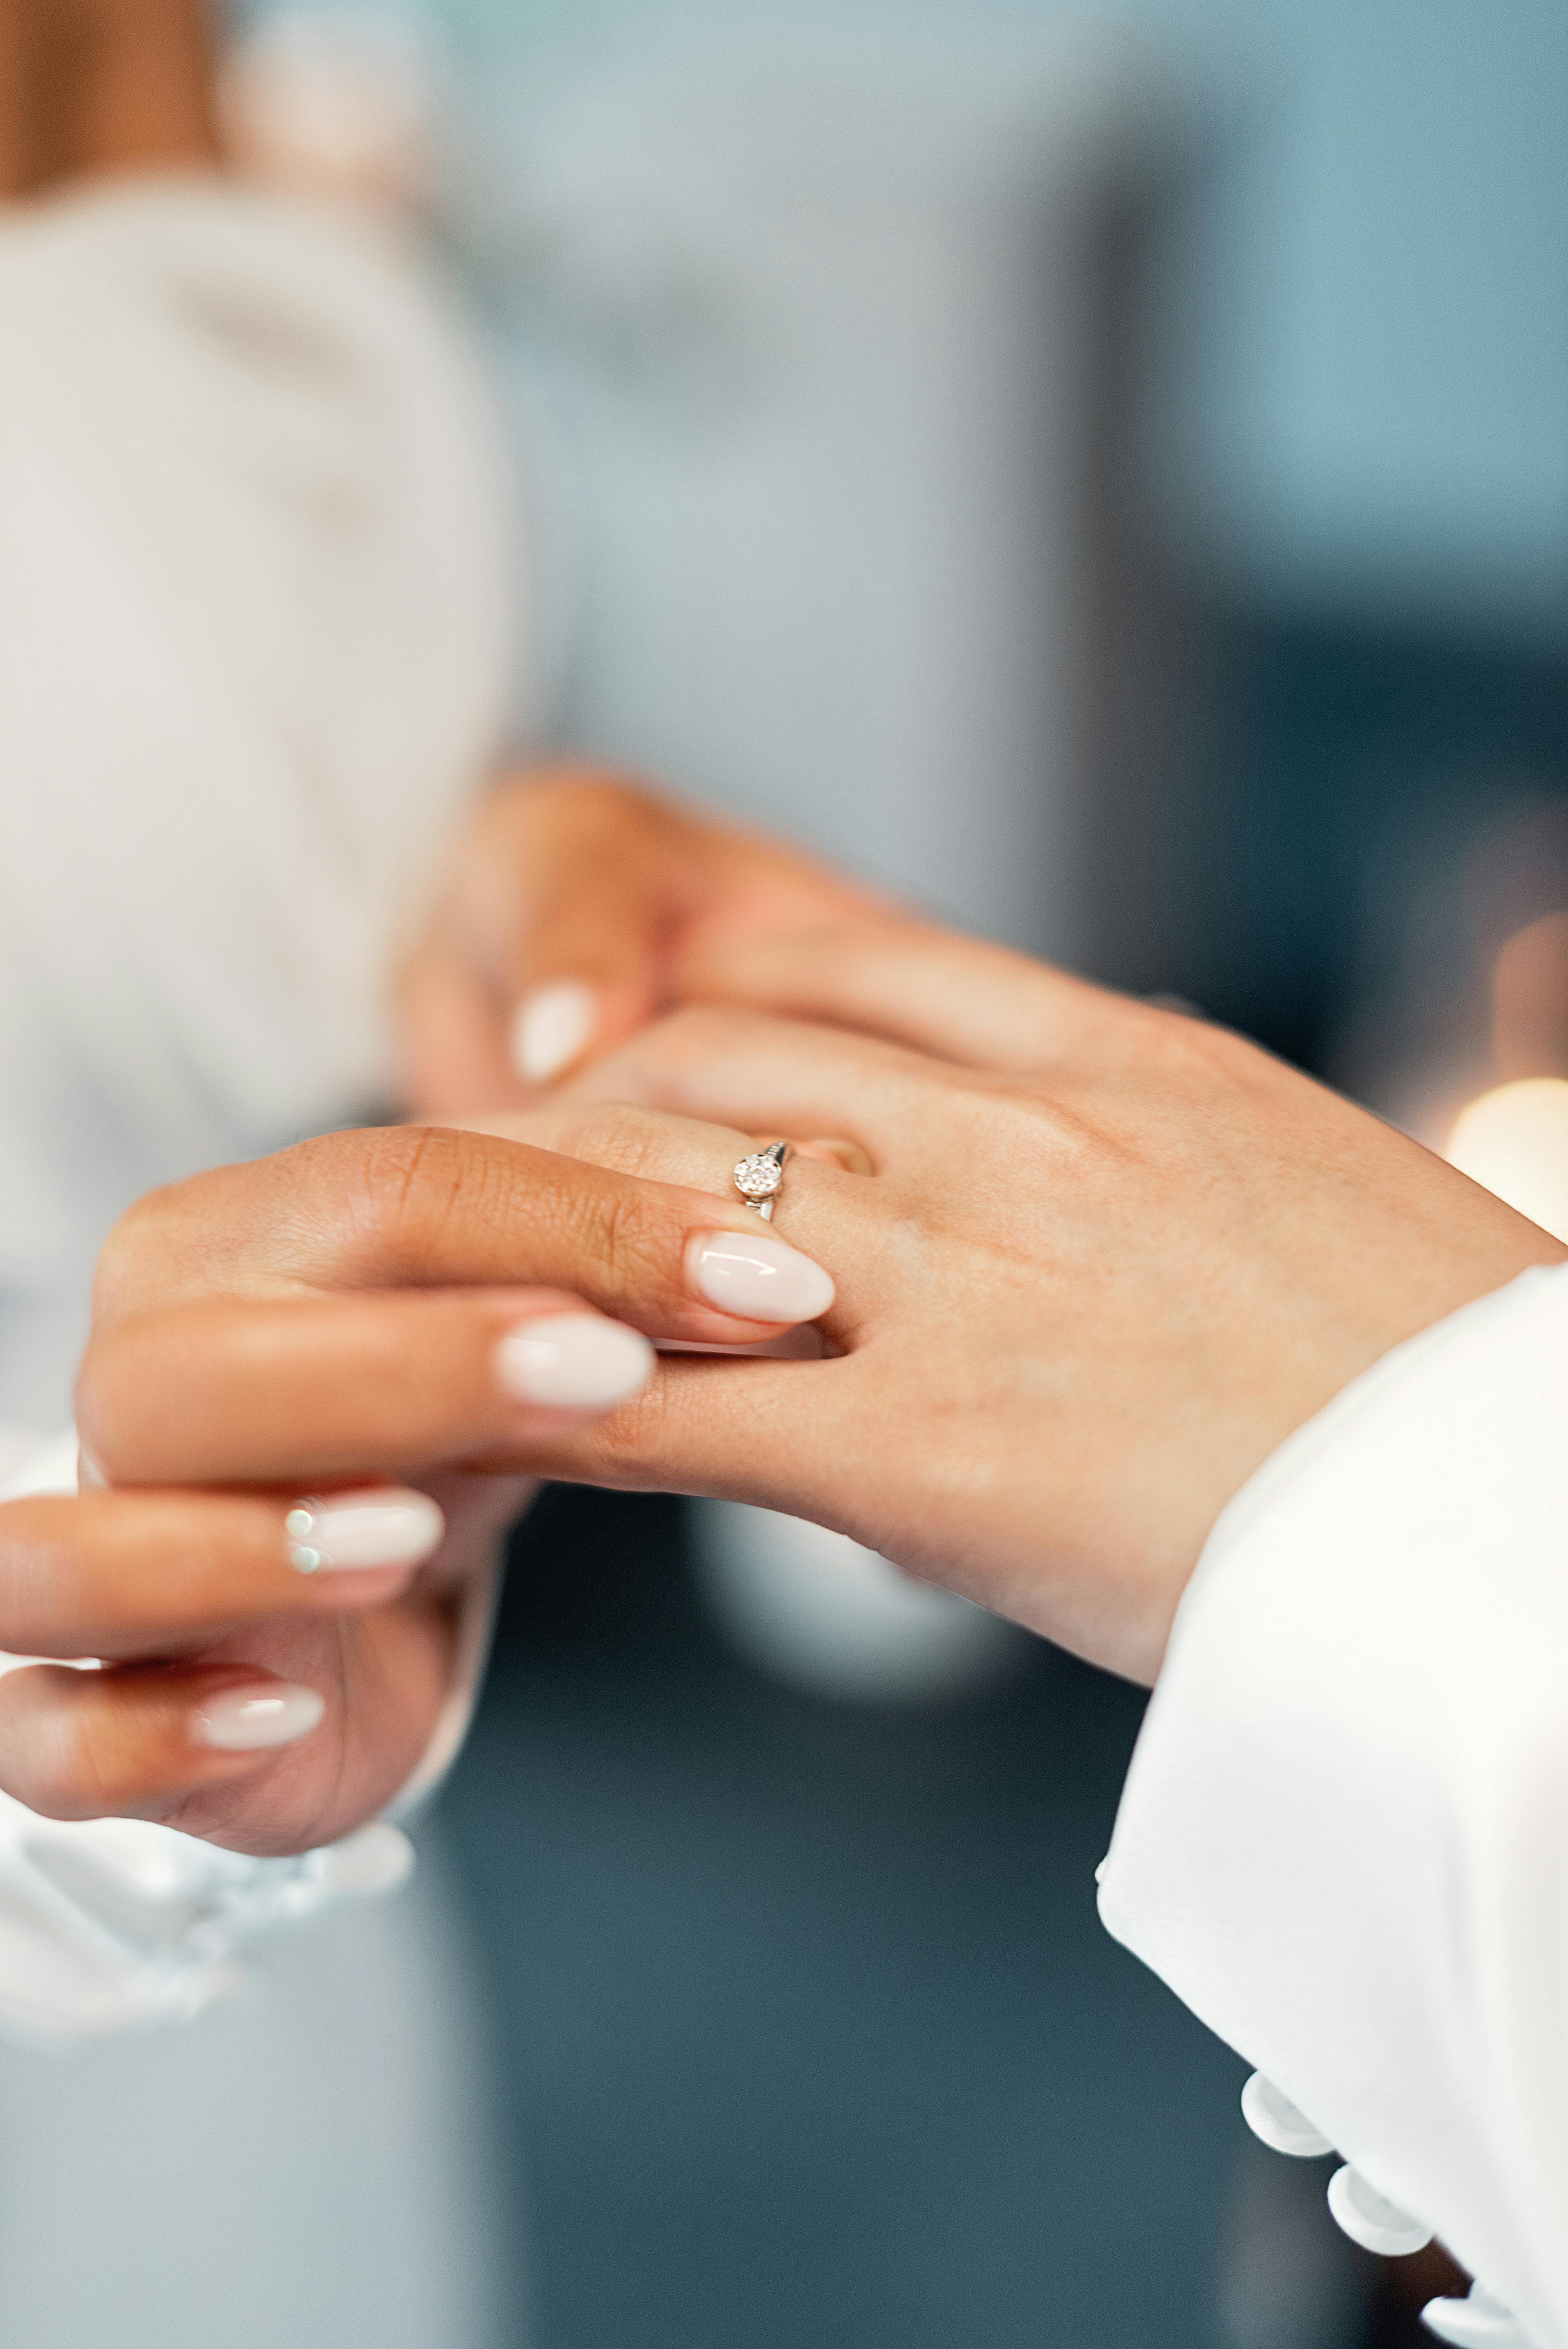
(758, 1175)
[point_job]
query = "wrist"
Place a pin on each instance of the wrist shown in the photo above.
(1336, 1382)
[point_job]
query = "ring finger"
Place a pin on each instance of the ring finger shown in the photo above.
(748, 1070)
(823, 1202)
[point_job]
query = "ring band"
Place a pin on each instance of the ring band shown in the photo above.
(757, 1176)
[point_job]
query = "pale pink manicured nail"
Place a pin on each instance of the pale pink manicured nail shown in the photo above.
(551, 1028)
(387, 1526)
(575, 1362)
(758, 1279)
(246, 1719)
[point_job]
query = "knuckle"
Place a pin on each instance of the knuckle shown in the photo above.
(1039, 1129)
(273, 1225)
(1194, 1054)
(623, 1139)
(58, 1759)
(148, 1255)
(628, 1235)
(408, 1182)
(91, 1777)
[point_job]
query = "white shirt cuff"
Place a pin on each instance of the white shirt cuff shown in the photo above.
(1344, 1837)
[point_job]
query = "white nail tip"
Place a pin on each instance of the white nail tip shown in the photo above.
(574, 1361)
(387, 1527)
(759, 1280)
(247, 1720)
(552, 1028)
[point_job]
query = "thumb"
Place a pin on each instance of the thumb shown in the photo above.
(589, 962)
(453, 1050)
(601, 998)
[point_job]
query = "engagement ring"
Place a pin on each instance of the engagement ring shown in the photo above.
(758, 1175)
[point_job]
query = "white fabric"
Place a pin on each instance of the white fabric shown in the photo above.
(1344, 1837)
(257, 597)
(307, 2165)
(256, 600)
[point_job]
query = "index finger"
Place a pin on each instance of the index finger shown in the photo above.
(424, 1207)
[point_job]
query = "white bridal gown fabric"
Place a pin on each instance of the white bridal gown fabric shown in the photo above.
(1344, 1837)
(257, 605)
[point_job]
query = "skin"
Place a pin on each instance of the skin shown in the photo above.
(324, 1318)
(571, 872)
(1109, 1259)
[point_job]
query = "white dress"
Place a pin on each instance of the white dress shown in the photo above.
(258, 602)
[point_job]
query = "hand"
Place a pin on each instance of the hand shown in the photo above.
(354, 1324)
(570, 908)
(1109, 1259)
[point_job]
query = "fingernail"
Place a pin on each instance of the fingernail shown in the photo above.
(578, 1362)
(759, 1280)
(244, 1720)
(390, 1527)
(552, 1027)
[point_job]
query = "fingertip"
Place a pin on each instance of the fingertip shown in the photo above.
(252, 1720)
(552, 1029)
(574, 1361)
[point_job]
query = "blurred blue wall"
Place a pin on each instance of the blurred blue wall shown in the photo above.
(1366, 355)
(1378, 371)
(1364, 361)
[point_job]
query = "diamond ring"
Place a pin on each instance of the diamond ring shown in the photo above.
(757, 1176)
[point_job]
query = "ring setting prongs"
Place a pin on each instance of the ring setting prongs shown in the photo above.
(757, 1176)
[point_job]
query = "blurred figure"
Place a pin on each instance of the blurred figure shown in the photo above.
(258, 597)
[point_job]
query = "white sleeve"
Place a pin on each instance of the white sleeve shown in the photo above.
(1344, 1837)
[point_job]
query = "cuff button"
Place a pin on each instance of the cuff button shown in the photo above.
(1370, 2219)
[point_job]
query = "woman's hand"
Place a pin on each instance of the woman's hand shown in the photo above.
(1090, 1286)
(311, 1386)
(571, 906)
